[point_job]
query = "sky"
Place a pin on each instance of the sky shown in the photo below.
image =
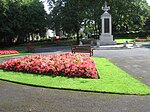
(148, 1)
(45, 6)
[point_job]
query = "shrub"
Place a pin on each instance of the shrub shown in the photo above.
(71, 65)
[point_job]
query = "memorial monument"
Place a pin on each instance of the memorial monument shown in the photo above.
(106, 37)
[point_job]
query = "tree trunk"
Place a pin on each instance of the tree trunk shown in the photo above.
(78, 40)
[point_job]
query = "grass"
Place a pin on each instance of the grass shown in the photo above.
(124, 40)
(130, 41)
(112, 80)
(10, 55)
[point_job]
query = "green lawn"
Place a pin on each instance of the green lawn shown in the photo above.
(112, 80)
(124, 40)
(10, 55)
(130, 41)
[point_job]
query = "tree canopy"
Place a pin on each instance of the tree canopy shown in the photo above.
(71, 15)
(20, 18)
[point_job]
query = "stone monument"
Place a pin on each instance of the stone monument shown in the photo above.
(106, 37)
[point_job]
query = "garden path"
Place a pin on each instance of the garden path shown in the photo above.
(134, 61)
(21, 98)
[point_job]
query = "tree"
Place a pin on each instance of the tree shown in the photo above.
(68, 15)
(19, 18)
(34, 20)
(2, 16)
(128, 14)
(71, 15)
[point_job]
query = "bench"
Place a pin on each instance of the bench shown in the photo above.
(82, 49)
(30, 48)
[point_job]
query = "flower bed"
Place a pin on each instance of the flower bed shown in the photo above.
(5, 52)
(140, 39)
(71, 65)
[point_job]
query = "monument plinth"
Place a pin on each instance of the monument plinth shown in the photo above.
(106, 37)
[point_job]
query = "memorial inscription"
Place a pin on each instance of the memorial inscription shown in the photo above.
(106, 27)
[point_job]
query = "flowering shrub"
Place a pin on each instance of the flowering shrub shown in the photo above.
(71, 65)
(4, 52)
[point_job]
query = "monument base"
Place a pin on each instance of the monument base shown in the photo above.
(106, 39)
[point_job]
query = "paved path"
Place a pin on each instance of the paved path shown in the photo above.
(21, 98)
(134, 61)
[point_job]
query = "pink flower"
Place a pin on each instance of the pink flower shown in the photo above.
(71, 65)
(4, 52)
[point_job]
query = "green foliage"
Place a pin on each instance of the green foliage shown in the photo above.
(129, 15)
(68, 15)
(71, 15)
(21, 18)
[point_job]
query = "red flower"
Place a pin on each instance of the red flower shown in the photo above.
(4, 52)
(71, 65)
